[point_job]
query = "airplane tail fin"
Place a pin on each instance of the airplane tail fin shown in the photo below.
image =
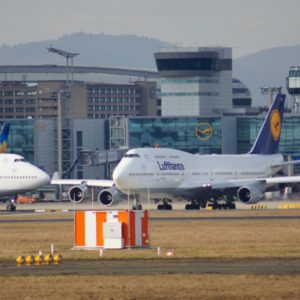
(4, 137)
(267, 141)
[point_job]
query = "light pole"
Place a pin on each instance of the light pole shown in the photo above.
(59, 135)
(270, 91)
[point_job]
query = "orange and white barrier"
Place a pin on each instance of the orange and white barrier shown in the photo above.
(111, 229)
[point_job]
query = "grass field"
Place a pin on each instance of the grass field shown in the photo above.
(151, 287)
(242, 239)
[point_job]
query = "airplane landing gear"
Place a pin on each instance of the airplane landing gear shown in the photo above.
(137, 204)
(165, 205)
(194, 205)
(216, 205)
(11, 206)
(231, 205)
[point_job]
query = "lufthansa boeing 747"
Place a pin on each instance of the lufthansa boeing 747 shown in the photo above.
(167, 174)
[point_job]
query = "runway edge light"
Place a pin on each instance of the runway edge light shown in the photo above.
(57, 259)
(20, 260)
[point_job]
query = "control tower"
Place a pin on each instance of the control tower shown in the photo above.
(195, 81)
(293, 87)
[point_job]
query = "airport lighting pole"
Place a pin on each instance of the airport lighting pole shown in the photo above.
(59, 135)
(270, 91)
(66, 94)
(69, 58)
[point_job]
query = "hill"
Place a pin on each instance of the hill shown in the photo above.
(94, 49)
(266, 68)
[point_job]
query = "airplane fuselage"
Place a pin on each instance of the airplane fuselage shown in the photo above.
(164, 170)
(19, 176)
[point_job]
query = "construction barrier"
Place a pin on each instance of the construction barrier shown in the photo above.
(111, 229)
(289, 206)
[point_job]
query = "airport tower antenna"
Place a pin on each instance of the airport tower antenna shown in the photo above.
(69, 62)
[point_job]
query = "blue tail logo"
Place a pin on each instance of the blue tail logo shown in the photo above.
(267, 141)
(4, 137)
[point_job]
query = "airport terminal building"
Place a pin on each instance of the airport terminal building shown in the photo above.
(192, 103)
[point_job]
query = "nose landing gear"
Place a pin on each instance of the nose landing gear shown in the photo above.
(11, 206)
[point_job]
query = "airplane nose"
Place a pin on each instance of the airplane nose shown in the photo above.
(118, 178)
(44, 178)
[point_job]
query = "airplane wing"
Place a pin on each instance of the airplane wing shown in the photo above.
(87, 182)
(286, 163)
(248, 191)
(236, 183)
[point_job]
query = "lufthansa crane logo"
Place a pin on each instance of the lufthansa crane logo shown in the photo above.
(203, 131)
(275, 124)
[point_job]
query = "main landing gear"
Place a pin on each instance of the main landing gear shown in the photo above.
(165, 205)
(193, 205)
(216, 205)
(137, 205)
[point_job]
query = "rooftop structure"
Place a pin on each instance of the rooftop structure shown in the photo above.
(195, 81)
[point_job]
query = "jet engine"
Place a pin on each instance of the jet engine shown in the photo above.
(76, 193)
(110, 196)
(250, 194)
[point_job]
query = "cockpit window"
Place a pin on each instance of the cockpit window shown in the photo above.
(131, 155)
(19, 159)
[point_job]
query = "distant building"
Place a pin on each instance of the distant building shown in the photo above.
(36, 140)
(293, 87)
(87, 100)
(241, 96)
(195, 81)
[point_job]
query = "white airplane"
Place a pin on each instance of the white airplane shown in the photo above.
(19, 176)
(167, 174)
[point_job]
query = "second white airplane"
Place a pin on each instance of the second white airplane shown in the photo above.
(167, 174)
(19, 176)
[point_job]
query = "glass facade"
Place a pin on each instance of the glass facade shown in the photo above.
(21, 138)
(198, 64)
(248, 128)
(194, 135)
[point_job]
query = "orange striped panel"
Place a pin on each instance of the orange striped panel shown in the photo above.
(132, 228)
(79, 228)
(123, 218)
(100, 219)
(145, 233)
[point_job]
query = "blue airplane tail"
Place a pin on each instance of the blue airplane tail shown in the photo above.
(267, 141)
(4, 137)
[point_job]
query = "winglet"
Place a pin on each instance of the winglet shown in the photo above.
(267, 141)
(55, 176)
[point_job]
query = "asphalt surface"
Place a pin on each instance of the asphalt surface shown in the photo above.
(166, 219)
(177, 205)
(156, 267)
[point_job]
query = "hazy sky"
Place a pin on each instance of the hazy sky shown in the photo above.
(246, 26)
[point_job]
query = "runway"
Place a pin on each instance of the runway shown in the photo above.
(177, 205)
(157, 267)
(169, 219)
